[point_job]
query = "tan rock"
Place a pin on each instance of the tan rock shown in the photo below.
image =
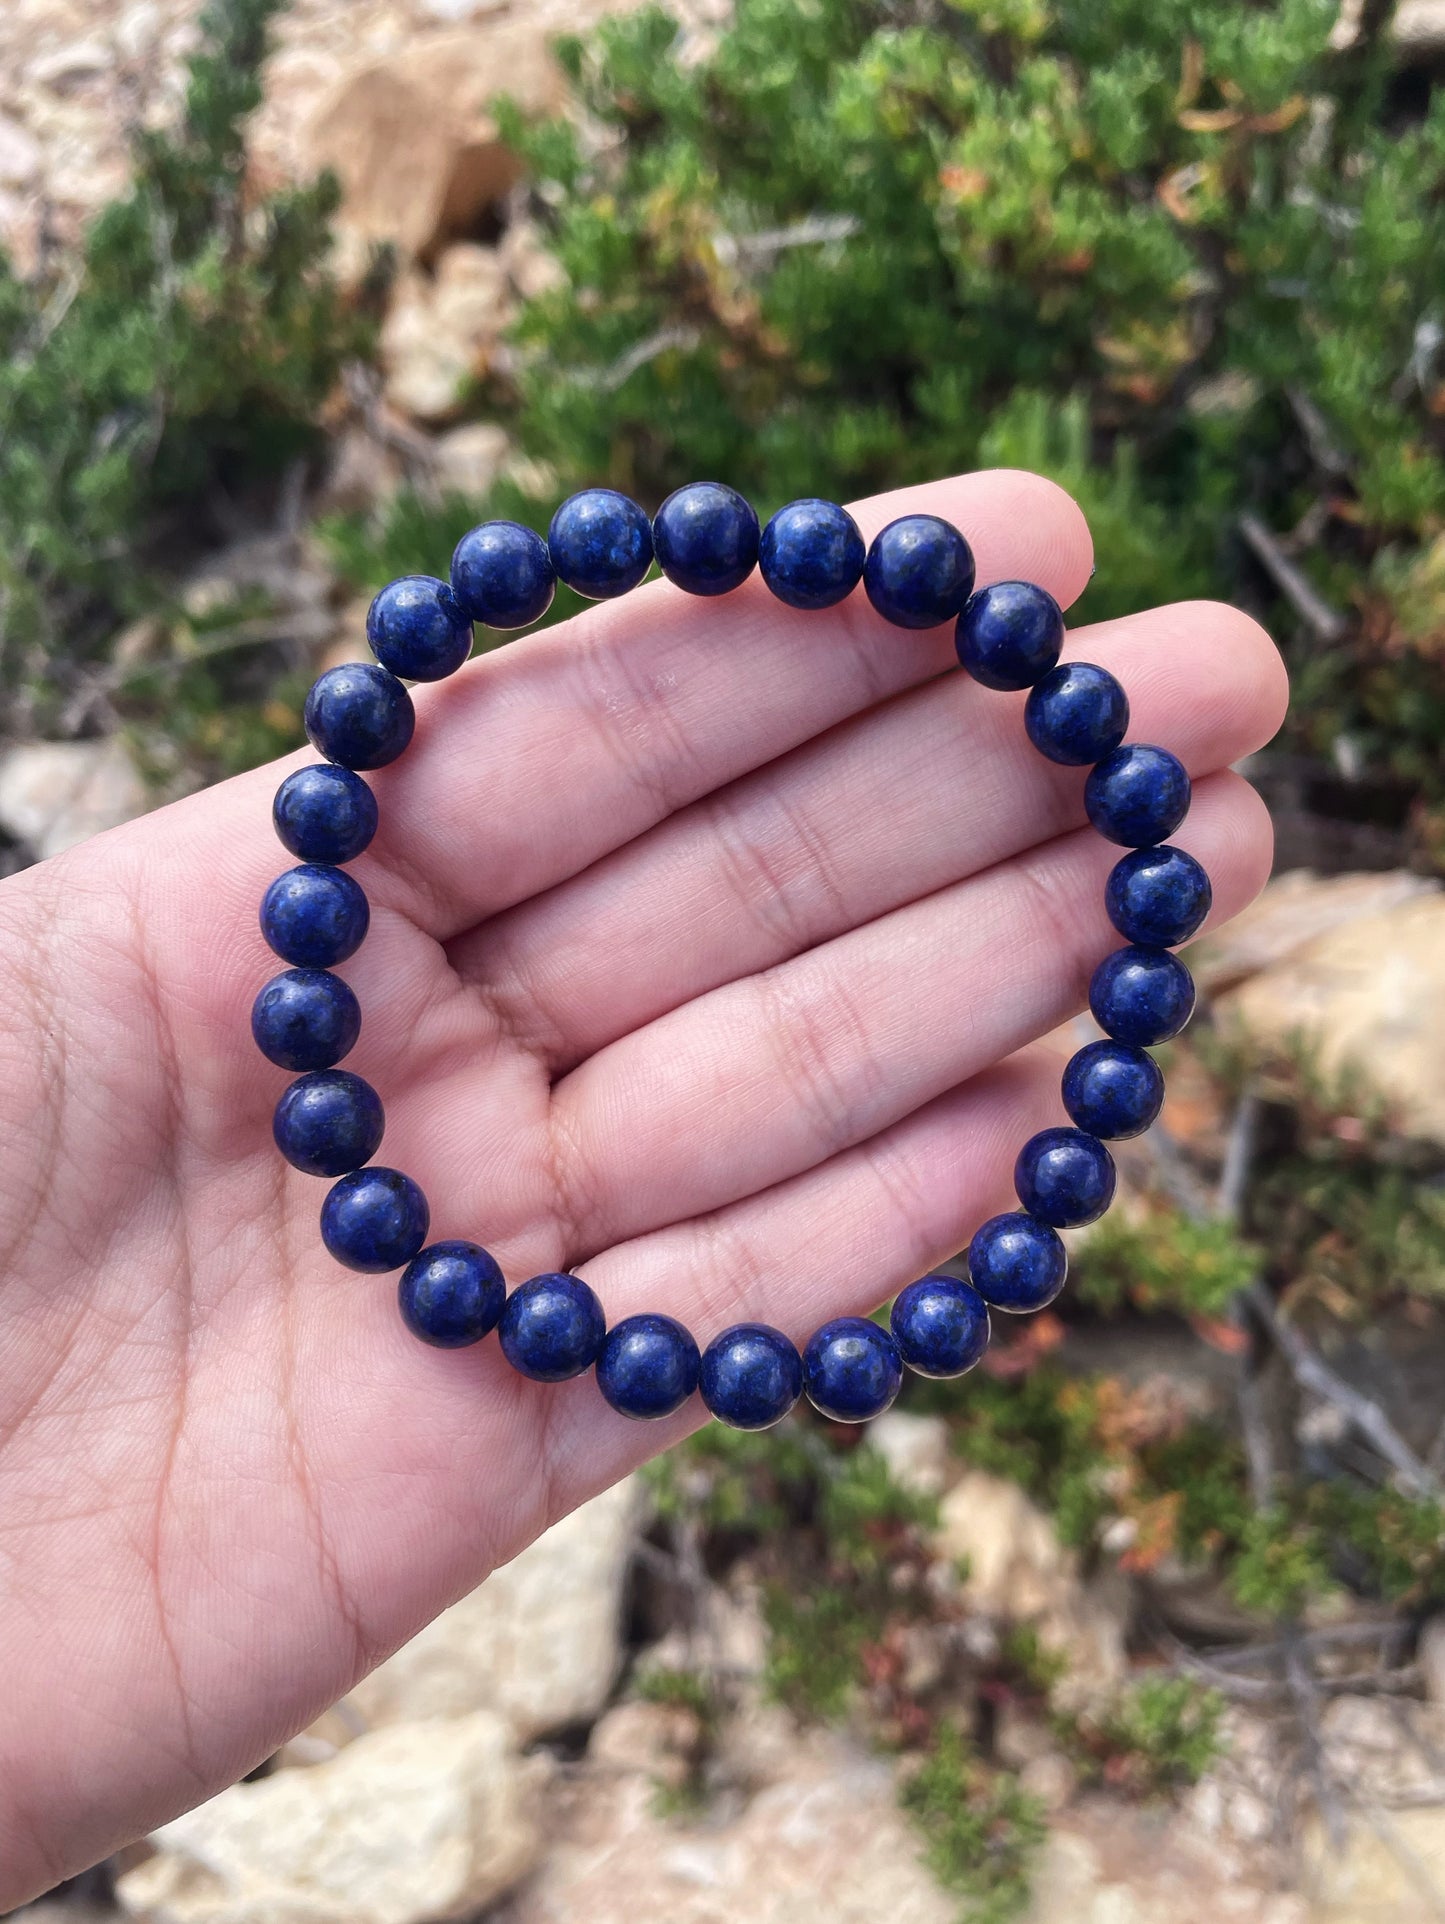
(470, 458)
(1295, 910)
(425, 1821)
(539, 1643)
(1018, 1571)
(1368, 994)
(1430, 1653)
(55, 794)
(654, 1740)
(1131, 1866)
(437, 336)
(915, 1448)
(828, 1842)
(1390, 1871)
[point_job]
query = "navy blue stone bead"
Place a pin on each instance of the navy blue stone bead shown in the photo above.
(940, 1325)
(706, 536)
(328, 1123)
(314, 916)
(1017, 1263)
(1141, 996)
(358, 714)
(416, 628)
(851, 1369)
(1138, 795)
(1157, 897)
(1064, 1177)
(375, 1219)
(451, 1294)
(1077, 714)
(502, 575)
(305, 1019)
(648, 1366)
(1113, 1089)
(751, 1376)
(811, 554)
(551, 1328)
(919, 571)
(600, 544)
(324, 813)
(1009, 634)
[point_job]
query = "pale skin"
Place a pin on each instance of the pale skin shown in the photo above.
(708, 944)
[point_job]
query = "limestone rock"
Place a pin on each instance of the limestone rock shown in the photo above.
(539, 1643)
(1387, 1873)
(1019, 1572)
(915, 1448)
(469, 458)
(1131, 1866)
(1293, 912)
(828, 1842)
(440, 329)
(425, 1821)
(55, 794)
(1369, 993)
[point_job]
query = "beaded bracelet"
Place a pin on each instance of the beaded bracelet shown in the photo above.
(918, 572)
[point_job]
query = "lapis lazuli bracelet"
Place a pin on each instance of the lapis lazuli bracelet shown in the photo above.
(918, 572)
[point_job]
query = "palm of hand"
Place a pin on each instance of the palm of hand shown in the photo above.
(707, 941)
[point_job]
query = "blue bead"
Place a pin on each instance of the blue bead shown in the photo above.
(1113, 1089)
(600, 544)
(551, 1328)
(1141, 996)
(811, 554)
(374, 1219)
(940, 1326)
(851, 1369)
(1064, 1177)
(417, 629)
(314, 916)
(751, 1376)
(1138, 795)
(305, 1019)
(1017, 1263)
(1009, 634)
(359, 715)
(648, 1366)
(1157, 897)
(919, 571)
(328, 1123)
(324, 813)
(706, 536)
(451, 1294)
(502, 575)
(1077, 714)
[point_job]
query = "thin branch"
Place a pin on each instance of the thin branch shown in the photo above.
(1327, 624)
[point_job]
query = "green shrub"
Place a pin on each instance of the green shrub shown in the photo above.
(980, 1830)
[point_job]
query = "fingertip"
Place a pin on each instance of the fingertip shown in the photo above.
(1229, 830)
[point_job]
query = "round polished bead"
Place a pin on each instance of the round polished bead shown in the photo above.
(551, 1328)
(314, 916)
(1077, 714)
(1113, 1089)
(648, 1366)
(328, 1123)
(324, 813)
(358, 714)
(706, 536)
(600, 543)
(1141, 996)
(374, 1219)
(1064, 1177)
(919, 571)
(1157, 897)
(1017, 1263)
(811, 554)
(417, 629)
(1138, 795)
(502, 575)
(940, 1325)
(851, 1369)
(305, 1019)
(751, 1376)
(1009, 634)
(451, 1294)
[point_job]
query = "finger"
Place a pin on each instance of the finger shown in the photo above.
(539, 758)
(937, 784)
(771, 1075)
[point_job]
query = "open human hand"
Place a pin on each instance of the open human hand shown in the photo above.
(708, 942)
